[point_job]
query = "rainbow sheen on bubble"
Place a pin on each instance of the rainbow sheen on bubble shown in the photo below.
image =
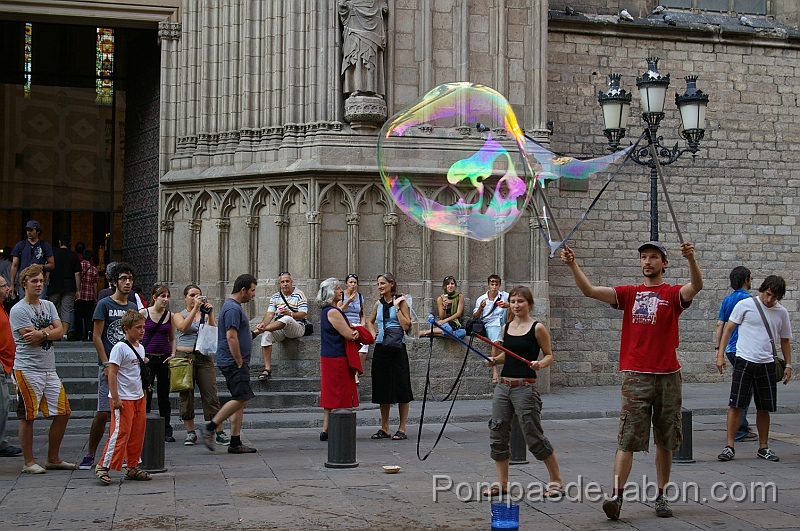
(455, 161)
(550, 166)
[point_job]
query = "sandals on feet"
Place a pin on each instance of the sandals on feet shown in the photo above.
(554, 492)
(266, 374)
(102, 475)
(138, 474)
(380, 434)
(494, 491)
(399, 436)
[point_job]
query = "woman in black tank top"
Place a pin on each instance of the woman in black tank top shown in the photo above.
(516, 394)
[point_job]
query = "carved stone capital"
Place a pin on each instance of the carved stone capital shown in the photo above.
(251, 221)
(534, 222)
(390, 219)
(167, 225)
(223, 225)
(169, 31)
(195, 225)
(353, 218)
(365, 112)
(314, 217)
(281, 221)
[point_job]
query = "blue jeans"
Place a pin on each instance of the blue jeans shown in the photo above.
(744, 425)
(460, 333)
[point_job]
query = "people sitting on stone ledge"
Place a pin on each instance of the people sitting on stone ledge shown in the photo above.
(450, 306)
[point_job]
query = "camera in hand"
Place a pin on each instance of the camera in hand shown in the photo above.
(205, 309)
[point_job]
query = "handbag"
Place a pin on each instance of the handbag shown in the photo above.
(206, 339)
(393, 336)
(478, 326)
(780, 363)
(180, 374)
(144, 371)
(309, 327)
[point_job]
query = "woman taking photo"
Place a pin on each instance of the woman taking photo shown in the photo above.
(337, 386)
(352, 304)
(391, 377)
(450, 306)
(187, 323)
(159, 344)
(516, 393)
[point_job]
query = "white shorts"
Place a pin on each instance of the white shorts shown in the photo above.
(40, 390)
(495, 333)
(292, 330)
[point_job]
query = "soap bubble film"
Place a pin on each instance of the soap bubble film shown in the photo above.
(455, 161)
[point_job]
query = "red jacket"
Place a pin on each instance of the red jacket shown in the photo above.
(351, 349)
(7, 346)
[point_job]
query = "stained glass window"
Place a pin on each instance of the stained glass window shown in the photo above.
(28, 41)
(105, 66)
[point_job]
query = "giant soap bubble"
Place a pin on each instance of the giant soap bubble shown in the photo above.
(455, 161)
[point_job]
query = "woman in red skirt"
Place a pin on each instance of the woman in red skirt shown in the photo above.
(338, 385)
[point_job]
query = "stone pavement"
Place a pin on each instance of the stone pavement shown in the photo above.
(286, 486)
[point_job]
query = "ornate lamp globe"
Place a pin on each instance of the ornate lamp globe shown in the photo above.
(652, 93)
(692, 106)
(616, 106)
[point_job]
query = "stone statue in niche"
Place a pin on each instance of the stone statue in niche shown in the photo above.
(363, 45)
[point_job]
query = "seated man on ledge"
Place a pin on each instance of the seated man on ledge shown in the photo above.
(292, 307)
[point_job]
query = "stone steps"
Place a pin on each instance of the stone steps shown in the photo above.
(295, 383)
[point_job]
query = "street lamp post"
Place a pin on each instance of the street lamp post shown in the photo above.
(615, 104)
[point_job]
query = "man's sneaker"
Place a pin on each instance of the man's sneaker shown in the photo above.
(88, 461)
(191, 438)
(612, 507)
(222, 439)
(207, 436)
(727, 454)
(241, 449)
(662, 507)
(769, 455)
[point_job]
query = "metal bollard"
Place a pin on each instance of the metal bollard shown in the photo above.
(684, 453)
(153, 449)
(341, 439)
(519, 451)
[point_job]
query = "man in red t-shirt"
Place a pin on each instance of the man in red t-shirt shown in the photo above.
(651, 389)
(7, 350)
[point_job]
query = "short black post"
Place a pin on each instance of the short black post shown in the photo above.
(684, 453)
(153, 449)
(519, 451)
(341, 439)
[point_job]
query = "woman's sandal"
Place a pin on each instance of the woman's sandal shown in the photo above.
(399, 436)
(554, 492)
(138, 474)
(380, 434)
(266, 374)
(102, 475)
(494, 491)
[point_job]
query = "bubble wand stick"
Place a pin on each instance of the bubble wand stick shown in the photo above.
(479, 353)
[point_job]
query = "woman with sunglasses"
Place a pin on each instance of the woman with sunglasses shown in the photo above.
(450, 307)
(352, 304)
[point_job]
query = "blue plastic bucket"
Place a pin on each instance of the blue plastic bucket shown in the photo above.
(505, 516)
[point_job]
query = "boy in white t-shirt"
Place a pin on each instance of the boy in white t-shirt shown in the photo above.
(490, 307)
(126, 435)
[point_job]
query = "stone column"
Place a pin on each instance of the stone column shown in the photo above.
(390, 230)
(167, 230)
(223, 246)
(283, 255)
(314, 218)
(252, 223)
(541, 290)
(353, 219)
(194, 260)
(169, 33)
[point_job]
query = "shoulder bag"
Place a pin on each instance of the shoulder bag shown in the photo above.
(780, 363)
(392, 336)
(478, 326)
(309, 327)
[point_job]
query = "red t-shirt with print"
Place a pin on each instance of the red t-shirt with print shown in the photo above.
(650, 327)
